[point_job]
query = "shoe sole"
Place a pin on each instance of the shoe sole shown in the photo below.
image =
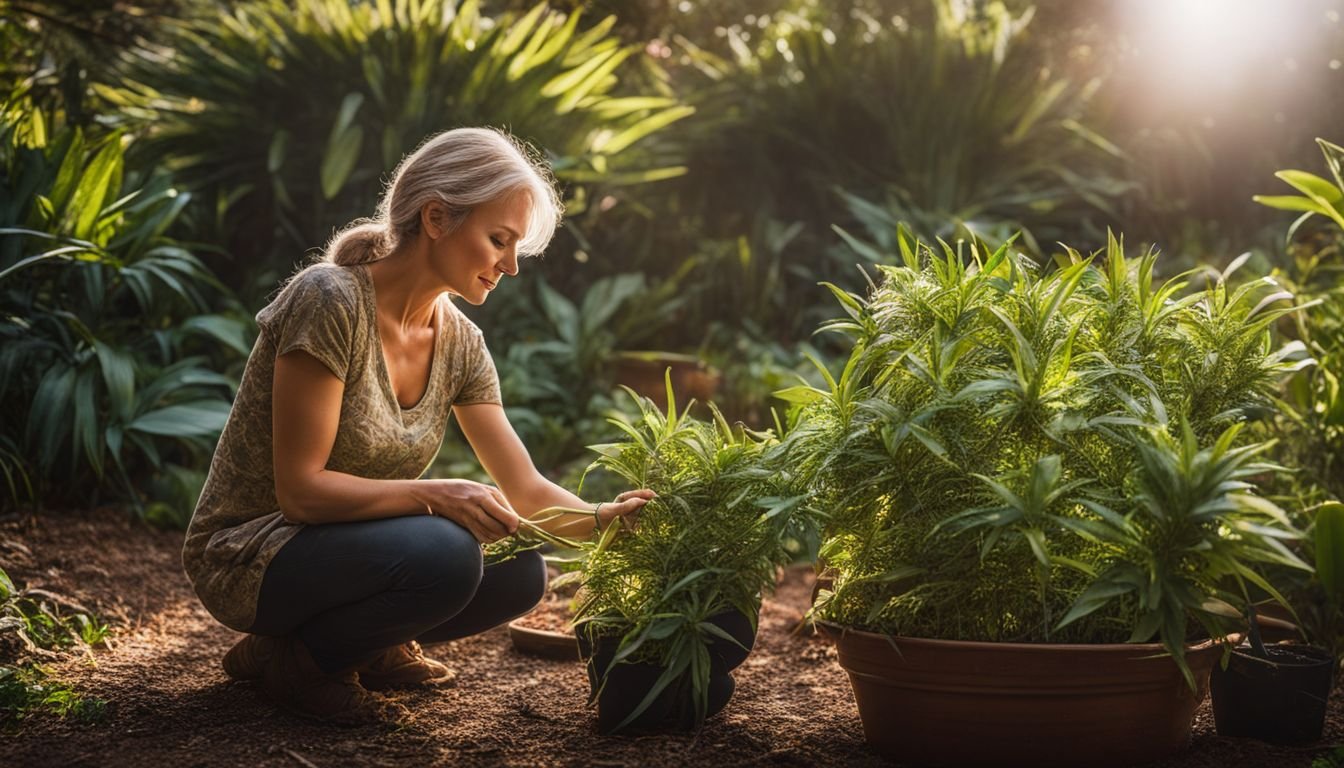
(447, 681)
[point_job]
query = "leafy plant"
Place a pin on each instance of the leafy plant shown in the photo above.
(25, 690)
(287, 118)
(708, 543)
(1310, 426)
(1315, 403)
(109, 348)
(1045, 456)
(41, 621)
(34, 622)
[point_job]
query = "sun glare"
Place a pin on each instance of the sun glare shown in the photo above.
(1209, 42)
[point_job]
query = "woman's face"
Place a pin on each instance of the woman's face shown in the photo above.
(472, 259)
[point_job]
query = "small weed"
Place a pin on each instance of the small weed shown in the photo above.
(30, 688)
(43, 623)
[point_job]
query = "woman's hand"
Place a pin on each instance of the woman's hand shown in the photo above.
(626, 506)
(479, 508)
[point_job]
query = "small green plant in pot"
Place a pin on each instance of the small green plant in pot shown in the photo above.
(1040, 500)
(668, 608)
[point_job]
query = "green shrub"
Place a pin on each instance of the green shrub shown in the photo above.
(288, 118)
(109, 356)
(939, 115)
(1045, 456)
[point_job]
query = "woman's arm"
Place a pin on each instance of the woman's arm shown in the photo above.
(306, 410)
(506, 459)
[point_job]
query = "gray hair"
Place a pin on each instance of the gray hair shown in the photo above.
(462, 168)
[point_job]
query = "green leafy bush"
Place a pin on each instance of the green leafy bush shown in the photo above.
(109, 354)
(708, 543)
(1045, 456)
(287, 118)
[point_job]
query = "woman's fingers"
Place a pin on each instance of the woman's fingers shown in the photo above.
(642, 493)
(626, 506)
(497, 517)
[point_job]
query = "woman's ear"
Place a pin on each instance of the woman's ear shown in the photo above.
(433, 219)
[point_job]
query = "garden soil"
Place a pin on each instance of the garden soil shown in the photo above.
(170, 704)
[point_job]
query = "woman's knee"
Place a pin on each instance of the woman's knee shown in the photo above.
(517, 584)
(436, 552)
(532, 579)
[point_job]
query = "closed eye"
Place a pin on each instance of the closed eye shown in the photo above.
(497, 242)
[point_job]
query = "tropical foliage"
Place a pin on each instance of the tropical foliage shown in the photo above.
(939, 115)
(1012, 453)
(287, 118)
(112, 363)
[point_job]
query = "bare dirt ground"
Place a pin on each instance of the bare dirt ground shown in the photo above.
(169, 703)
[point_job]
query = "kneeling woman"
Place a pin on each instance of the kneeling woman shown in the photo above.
(314, 533)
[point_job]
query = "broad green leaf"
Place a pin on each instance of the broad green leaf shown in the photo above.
(343, 146)
(200, 418)
(1328, 538)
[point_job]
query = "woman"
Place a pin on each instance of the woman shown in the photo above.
(313, 533)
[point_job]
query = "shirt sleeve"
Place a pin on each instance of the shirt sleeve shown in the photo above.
(314, 313)
(480, 382)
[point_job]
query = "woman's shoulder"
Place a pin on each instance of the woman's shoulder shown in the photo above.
(316, 287)
(326, 280)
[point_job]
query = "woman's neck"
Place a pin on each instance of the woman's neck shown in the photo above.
(401, 292)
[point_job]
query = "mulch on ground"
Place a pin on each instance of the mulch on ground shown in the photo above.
(169, 703)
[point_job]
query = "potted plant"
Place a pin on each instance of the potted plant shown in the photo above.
(1278, 692)
(669, 607)
(1038, 499)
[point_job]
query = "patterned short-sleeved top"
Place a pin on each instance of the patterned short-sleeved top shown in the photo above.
(327, 311)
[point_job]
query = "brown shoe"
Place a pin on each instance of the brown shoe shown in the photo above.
(247, 659)
(404, 666)
(295, 682)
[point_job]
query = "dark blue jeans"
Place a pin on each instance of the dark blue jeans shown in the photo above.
(349, 590)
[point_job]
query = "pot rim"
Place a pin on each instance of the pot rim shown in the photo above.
(514, 626)
(839, 630)
(1321, 656)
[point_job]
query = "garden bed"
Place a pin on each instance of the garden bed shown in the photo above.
(170, 703)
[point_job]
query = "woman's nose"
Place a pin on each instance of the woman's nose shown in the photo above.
(509, 264)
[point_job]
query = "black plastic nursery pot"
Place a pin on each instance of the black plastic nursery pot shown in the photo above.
(627, 683)
(1280, 700)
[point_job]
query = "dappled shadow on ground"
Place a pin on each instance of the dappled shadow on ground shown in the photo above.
(169, 703)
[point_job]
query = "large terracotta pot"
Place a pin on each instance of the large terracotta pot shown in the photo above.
(944, 702)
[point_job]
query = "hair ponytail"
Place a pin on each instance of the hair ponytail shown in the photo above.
(359, 242)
